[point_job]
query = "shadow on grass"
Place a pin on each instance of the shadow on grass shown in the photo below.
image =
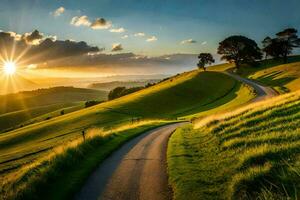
(227, 97)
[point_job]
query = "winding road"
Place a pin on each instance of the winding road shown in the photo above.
(263, 92)
(138, 169)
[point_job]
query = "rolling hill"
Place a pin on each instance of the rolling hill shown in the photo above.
(282, 77)
(188, 93)
(250, 153)
(17, 108)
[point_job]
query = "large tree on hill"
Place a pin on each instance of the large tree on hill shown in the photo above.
(282, 45)
(239, 49)
(272, 47)
(204, 59)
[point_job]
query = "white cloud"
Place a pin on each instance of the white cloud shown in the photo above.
(188, 41)
(16, 36)
(117, 47)
(140, 34)
(32, 66)
(101, 23)
(204, 43)
(117, 30)
(80, 21)
(59, 11)
(151, 39)
(124, 36)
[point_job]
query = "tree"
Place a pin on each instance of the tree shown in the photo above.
(122, 91)
(273, 48)
(239, 49)
(288, 39)
(204, 59)
(116, 93)
(282, 45)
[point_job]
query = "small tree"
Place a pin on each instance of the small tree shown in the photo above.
(204, 59)
(239, 49)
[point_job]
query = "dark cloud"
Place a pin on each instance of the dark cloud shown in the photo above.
(126, 63)
(34, 37)
(117, 47)
(188, 41)
(100, 23)
(37, 49)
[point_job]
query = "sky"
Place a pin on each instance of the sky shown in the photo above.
(170, 21)
(146, 34)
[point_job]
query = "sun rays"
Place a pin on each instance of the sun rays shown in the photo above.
(9, 68)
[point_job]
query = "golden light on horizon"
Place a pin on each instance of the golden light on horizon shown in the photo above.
(9, 68)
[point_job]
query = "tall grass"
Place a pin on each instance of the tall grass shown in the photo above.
(249, 153)
(61, 173)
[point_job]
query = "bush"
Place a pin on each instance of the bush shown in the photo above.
(92, 103)
(122, 91)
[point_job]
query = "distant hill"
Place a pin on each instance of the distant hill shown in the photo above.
(21, 107)
(107, 86)
(43, 97)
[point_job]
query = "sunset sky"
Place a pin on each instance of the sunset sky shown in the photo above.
(136, 36)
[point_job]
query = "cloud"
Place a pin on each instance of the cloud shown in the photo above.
(140, 34)
(59, 11)
(151, 39)
(80, 21)
(100, 23)
(124, 36)
(117, 47)
(33, 38)
(40, 48)
(117, 30)
(204, 43)
(188, 41)
(32, 66)
(128, 63)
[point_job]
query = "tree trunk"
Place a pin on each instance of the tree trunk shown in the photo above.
(237, 64)
(285, 58)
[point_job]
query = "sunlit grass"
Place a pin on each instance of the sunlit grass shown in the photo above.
(282, 77)
(73, 160)
(249, 153)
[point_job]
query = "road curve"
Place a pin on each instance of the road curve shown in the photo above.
(137, 170)
(263, 92)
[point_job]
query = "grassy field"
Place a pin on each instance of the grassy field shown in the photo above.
(173, 98)
(60, 174)
(250, 153)
(22, 108)
(282, 77)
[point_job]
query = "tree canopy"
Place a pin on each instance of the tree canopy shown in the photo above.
(204, 59)
(282, 45)
(239, 49)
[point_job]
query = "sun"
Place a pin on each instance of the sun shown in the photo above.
(9, 68)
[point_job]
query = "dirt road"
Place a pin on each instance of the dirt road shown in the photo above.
(135, 171)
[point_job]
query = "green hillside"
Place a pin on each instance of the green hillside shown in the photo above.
(45, 97)
(187, 93)
(282, 77)
(251, 153)
(26, 107)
